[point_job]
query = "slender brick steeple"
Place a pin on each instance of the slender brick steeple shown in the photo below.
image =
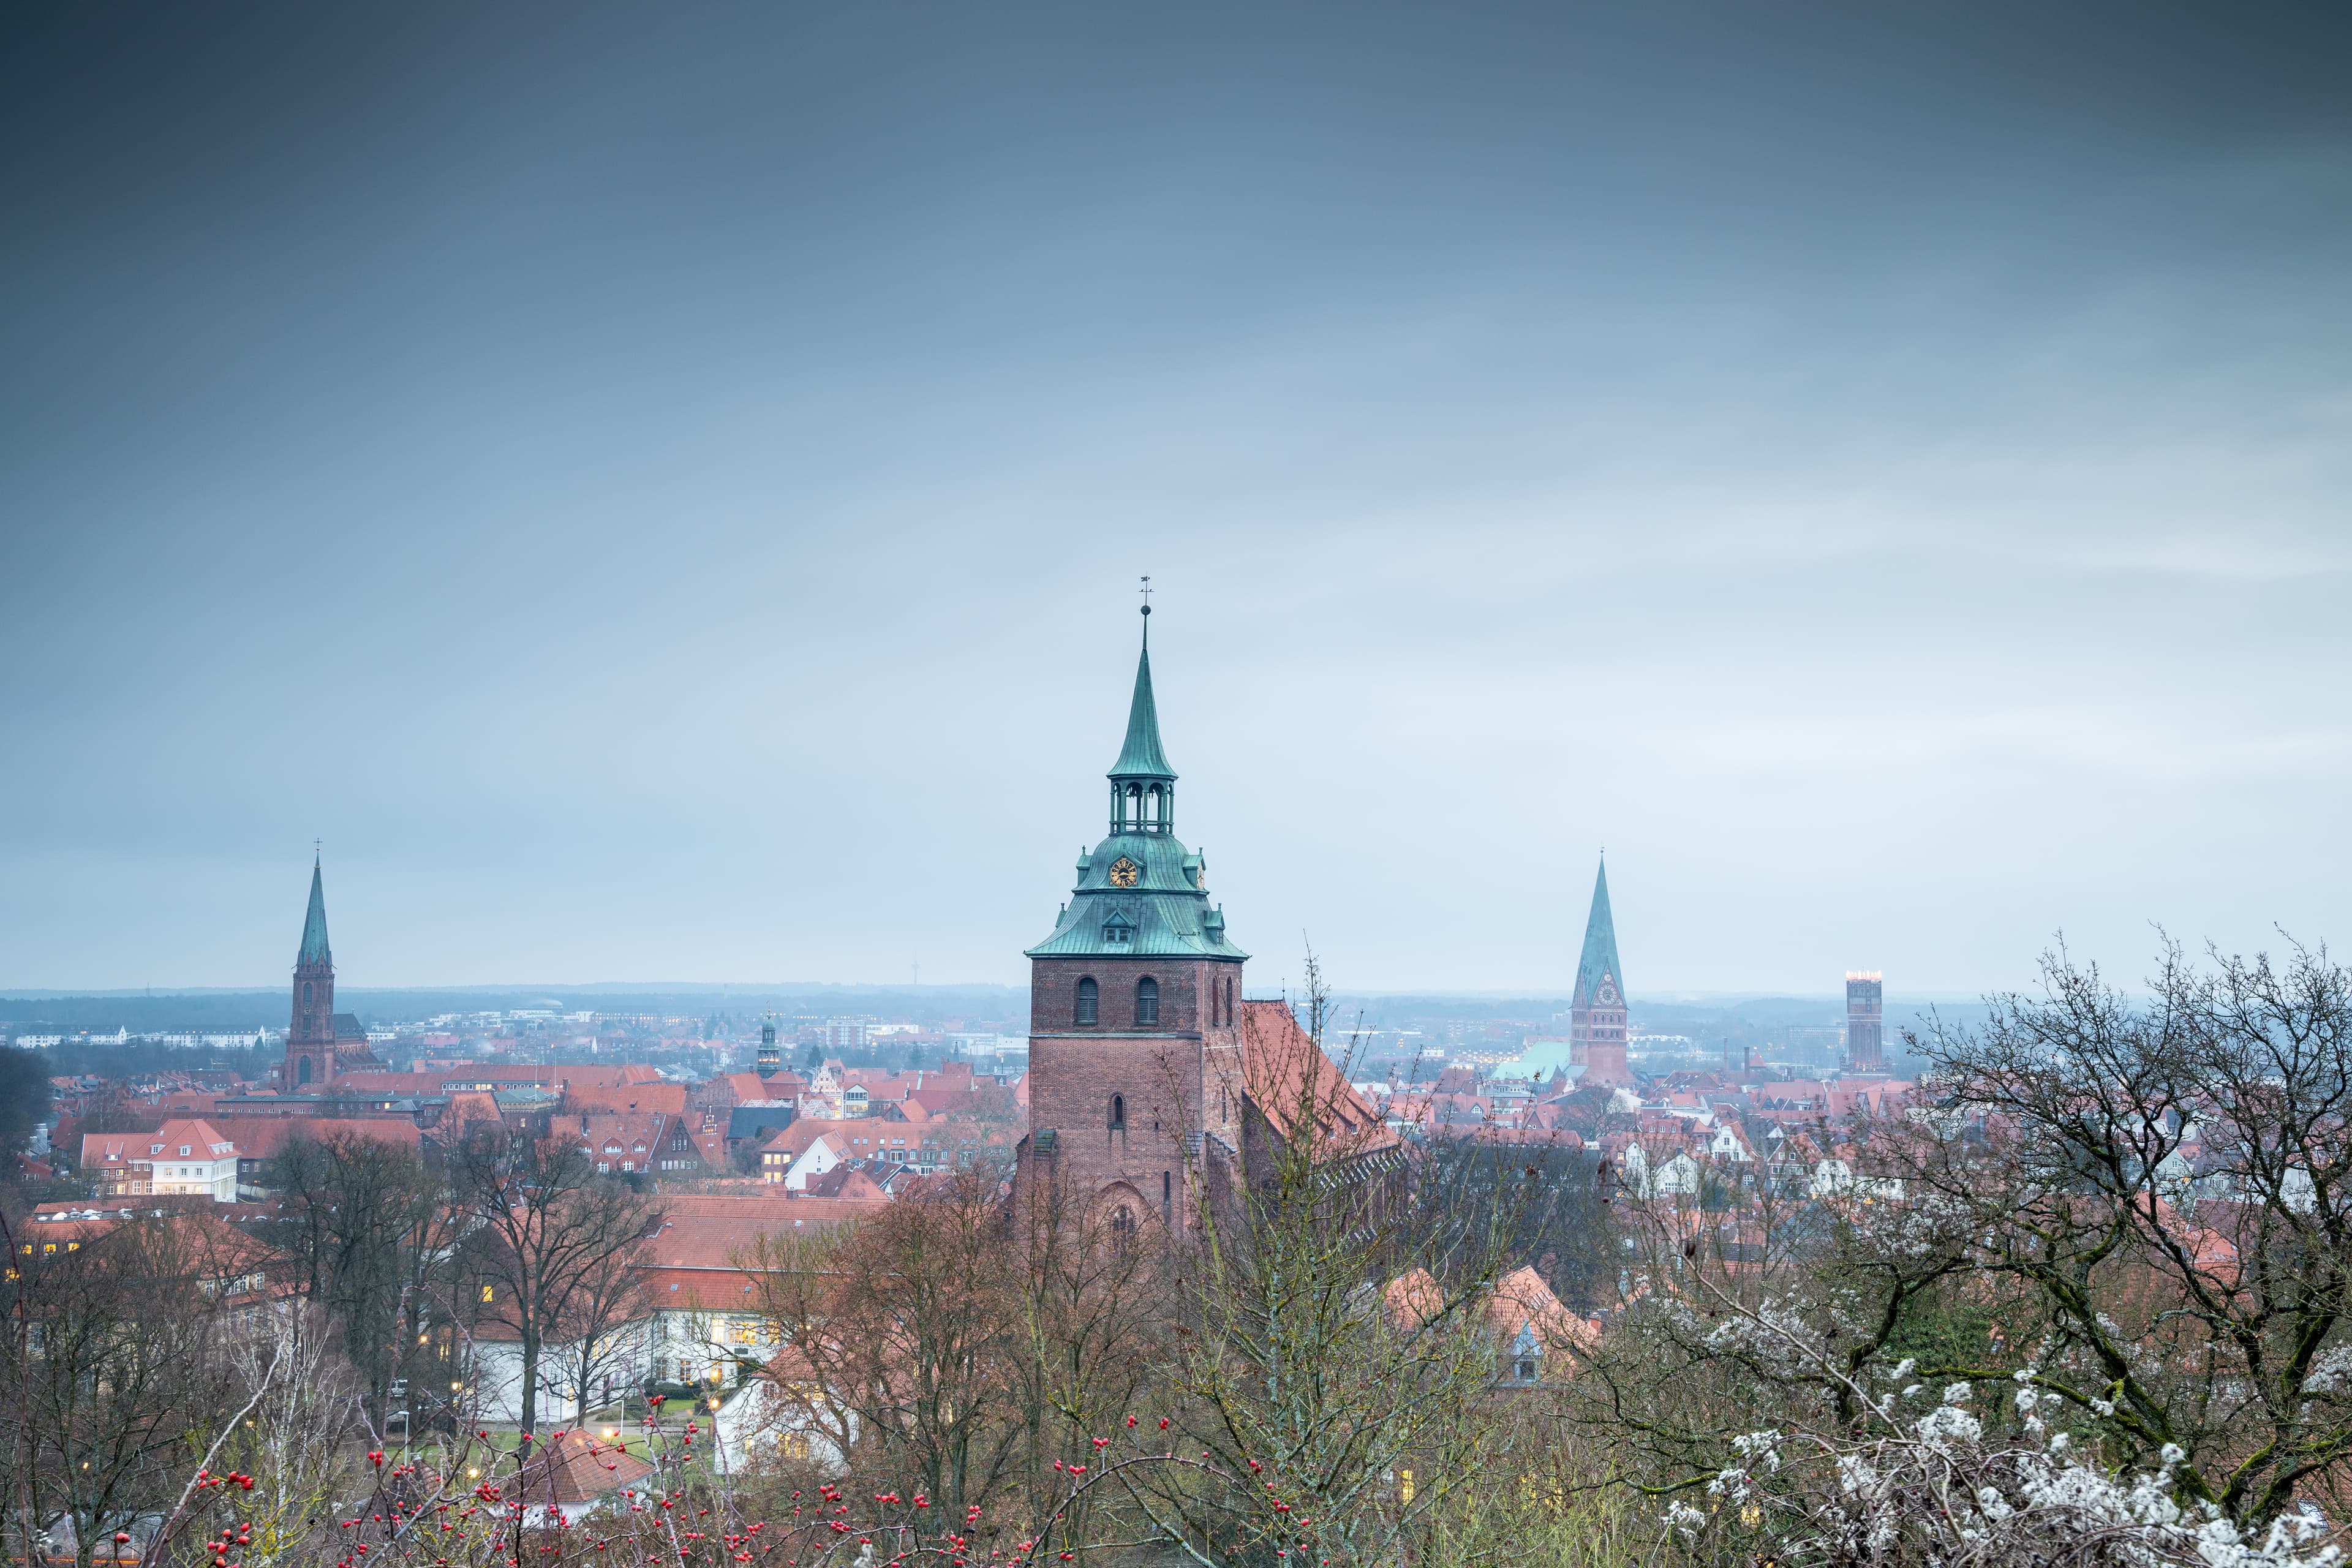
(1596, 1019)
(310, 1039)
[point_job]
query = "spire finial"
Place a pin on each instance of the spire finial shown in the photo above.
(317, 848)
(1146, 591)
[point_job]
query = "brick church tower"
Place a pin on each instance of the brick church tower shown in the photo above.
(1596, 1019)
(1135, 1050)
(311, 1040)
(320, 1042)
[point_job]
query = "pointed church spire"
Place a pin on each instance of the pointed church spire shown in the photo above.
(1600, 945)
(314, 924)
(1141, 757)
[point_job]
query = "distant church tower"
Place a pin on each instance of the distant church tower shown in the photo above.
(1865, 1017)
(1135, 1048)
(1596, 1019)
(321, 1043)
(310, 1042)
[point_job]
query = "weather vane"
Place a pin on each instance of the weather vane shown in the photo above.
(1146, 591)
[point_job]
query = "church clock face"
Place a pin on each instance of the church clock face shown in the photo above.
(1123, 872)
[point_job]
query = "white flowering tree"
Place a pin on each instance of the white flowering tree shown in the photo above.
(2104, 1311)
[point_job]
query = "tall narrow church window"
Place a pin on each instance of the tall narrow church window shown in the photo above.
(1119, 1113)
(306, 994)
(1089, 1000)
(1146, 1001)
(302, 1070)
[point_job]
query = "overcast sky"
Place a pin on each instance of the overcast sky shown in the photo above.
(660, 490)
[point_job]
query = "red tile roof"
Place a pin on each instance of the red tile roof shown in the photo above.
(1283, 1069)
(575, 1467)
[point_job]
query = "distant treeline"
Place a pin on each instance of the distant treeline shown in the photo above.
(136, 1058)
(233, 1012)
(202, 1012)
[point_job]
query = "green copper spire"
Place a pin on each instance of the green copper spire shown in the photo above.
(1600, 945)
(314, 924)
(1141, 757)
(1141, 893)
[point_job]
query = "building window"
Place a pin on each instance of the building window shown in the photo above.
(1119, 1113)
(1122, 1228)
(1146, 1001)
(1089, 1000)
(306, 994)
(302, 1070)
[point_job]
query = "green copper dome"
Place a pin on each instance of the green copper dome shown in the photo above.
(1140, 895)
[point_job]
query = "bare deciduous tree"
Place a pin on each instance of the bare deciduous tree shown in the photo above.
(548, 1230)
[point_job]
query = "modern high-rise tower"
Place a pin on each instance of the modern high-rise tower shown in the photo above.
(1596, 1017)
(1864, 1019)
